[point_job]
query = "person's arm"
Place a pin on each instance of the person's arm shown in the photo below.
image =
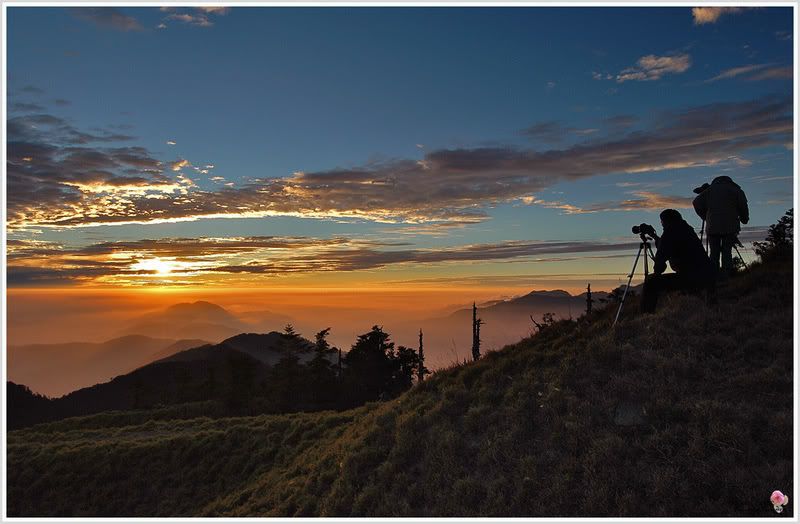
(664, 245)
(741, 206)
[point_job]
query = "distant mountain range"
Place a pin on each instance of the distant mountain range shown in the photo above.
(535, 303)
(505, 322)
(57, 369)
(202, 320)
(267, 348)
(207, 372)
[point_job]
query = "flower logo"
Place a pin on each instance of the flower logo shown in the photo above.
(779, 500)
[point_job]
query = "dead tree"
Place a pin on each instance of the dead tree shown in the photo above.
(421, 371)
(589, 300)
(476, 333)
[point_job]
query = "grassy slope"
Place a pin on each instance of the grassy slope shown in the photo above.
(526, 431)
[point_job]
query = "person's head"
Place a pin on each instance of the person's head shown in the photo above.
(670, 217)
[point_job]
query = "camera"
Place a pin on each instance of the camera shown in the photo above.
(644, 229)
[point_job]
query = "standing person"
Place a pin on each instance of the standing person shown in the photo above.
(723, 205)
(679, 246)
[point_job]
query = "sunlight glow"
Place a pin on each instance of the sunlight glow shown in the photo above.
(160, 266)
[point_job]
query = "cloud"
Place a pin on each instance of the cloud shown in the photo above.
(214, 10)
(775, 73)
(32, 127)
(107, 17)
(142, 262)
(25, 107)
(439, 229)
(602, 76)
(200, 20)
(710, 15)
(755, 72)
(644, 200)
(783, 35)
(652, 67)
(449, 185)
(179, 164)
(736, 71)
(199, 17)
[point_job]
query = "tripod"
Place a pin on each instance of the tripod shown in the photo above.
(644, 245)
(737, 242)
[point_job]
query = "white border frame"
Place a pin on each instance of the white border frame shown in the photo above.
(410, 3)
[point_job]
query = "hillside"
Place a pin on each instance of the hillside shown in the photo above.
(687, 412)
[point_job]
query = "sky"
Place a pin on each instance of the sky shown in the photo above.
(494, 150)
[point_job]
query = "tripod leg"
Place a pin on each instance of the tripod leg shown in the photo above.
(740, 255)
(628, 285)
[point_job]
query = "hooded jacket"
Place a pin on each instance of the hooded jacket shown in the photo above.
(723, 206)
(680, 247)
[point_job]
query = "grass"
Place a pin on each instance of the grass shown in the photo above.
(526, 431)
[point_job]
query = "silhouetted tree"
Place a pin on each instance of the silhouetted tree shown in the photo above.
(476, 333)
(286, 387)
(548, 319)
(322, 381)
(291, 339)
(589, 300)
(406, 365)
(369, 366)
(290, 333)
(421, 370)
(780, 238)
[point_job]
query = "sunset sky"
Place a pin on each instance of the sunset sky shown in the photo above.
(500, 149)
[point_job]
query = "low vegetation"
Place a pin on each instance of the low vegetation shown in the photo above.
(687, 412)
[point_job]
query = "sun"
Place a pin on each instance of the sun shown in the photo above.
(159, 266)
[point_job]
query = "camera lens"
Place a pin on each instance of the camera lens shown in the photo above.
(635, 230)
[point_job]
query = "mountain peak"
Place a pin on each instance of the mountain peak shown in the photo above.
(199, 305)
(556, 293)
